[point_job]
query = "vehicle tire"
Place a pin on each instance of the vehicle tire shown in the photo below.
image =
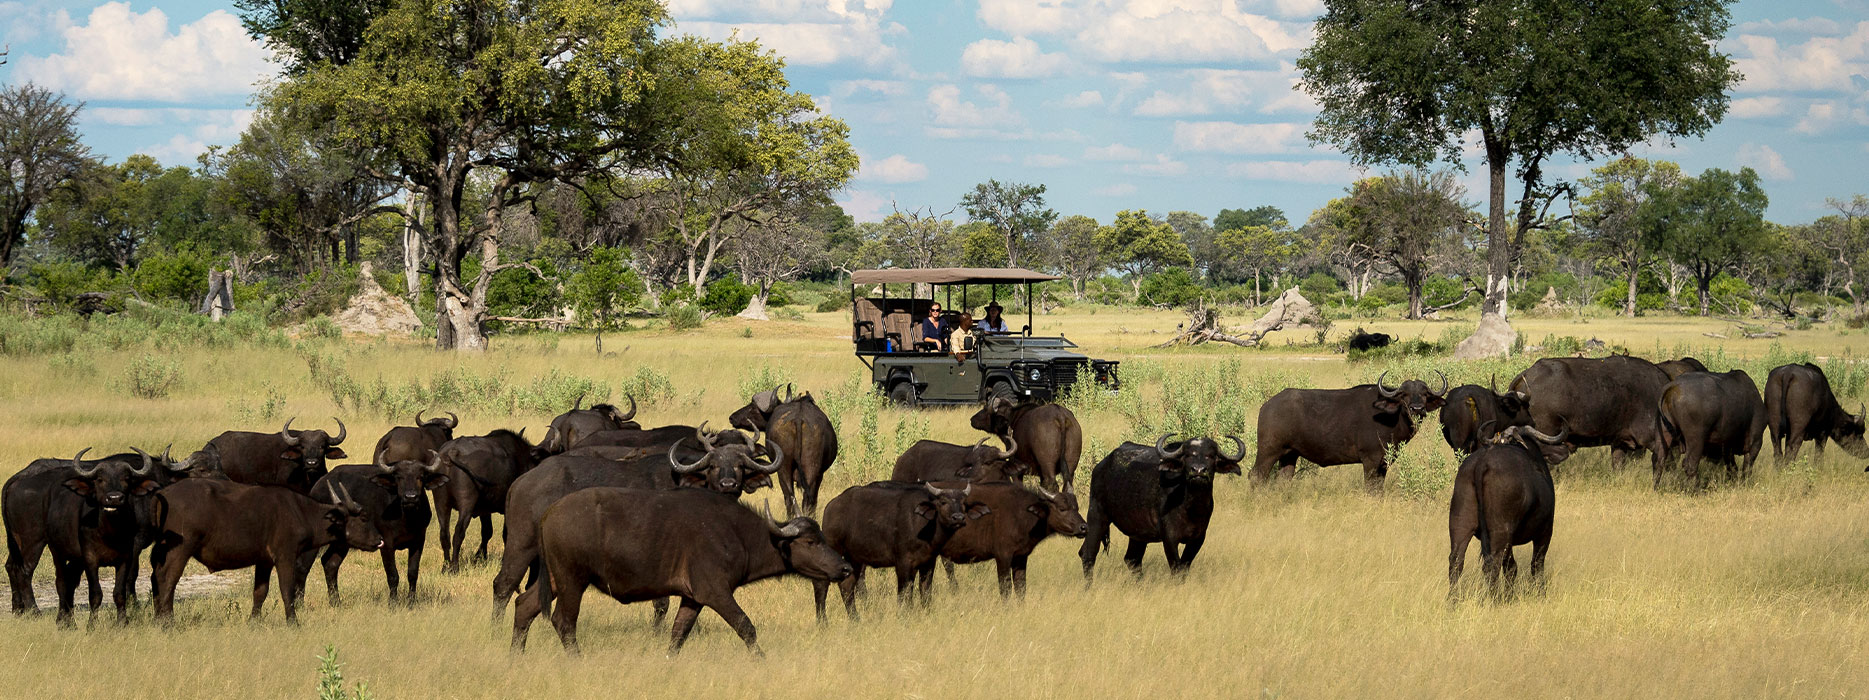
(903, 394)
(1002, 390)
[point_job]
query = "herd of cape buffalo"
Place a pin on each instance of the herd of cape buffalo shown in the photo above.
(654, 513)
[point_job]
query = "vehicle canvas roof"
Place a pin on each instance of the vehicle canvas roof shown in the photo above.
(949, 275)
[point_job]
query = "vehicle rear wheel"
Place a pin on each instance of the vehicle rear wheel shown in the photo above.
(1002, 390)
(903, 394)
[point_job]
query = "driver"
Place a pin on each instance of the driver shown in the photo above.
(993, 323)
(966, 345)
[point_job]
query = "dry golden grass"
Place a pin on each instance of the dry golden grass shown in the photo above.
(1306, 589)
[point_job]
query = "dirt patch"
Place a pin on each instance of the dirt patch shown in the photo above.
(202, 585)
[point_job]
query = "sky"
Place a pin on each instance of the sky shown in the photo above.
(1111, 104)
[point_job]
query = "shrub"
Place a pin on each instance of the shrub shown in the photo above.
(1422, 474)
(677, 295)
(726, 296)
(1174, 287)
(836, 303)
(151, 377)
(603, 290)
(760, 379)
(331, 679)
(1318, 287)
(61, 282)
(173, 277)
(685, 317)
(649, 385)
(323, 328)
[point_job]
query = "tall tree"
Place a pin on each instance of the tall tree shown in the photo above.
(1402, 218)
(39, 152)
(1016, 210)
(1844, 240)
(1619, 217)
(1264, 215)
(1071, 246)
(303, 189)
(1713, 221)
(920, 238)
(1401, 81)
(1209, 259)
(107, 217)
(1141, 246)
(780, 247)
(1257, 249)
(305, 33)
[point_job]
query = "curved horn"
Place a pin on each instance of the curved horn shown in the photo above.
(578, 405)
(342, 432)
(332, 487)
(1443, 391)
(1162, 442)
(1384, 391)
(148, 463)
(1049, 495)
(788, 391)
(632, 409)
(433, 464)
(453, 420)
(286, 432)
(380, 464)
(169, 462)
(684, 468)
(1238, 455)
(1494, 383)
(967, 490)
(1012, 445)
(1563, 433)
(774, 455)
(700, 434)
(932, 489)
(345, 494)
(418, 419)
(1485, 426)
(77, 465)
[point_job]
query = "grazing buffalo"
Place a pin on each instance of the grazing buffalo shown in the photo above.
(92, 519)
(928, 460)
(1361, 341)
(1712, 415)
(226, 525)
(1342, 426)
(640, 544)
(569, 429)
(728, 465)
(1013, 520)
(1472, 406)
(1799, 406)
(393, 501)
(480, 469)
(1503, 496)
(38, 500)
(1044, 438)
(1160, 494)
(291, 458)
(801, 428)
(1608, 401)
(414, 442)
(1676, 368)
(893, 524)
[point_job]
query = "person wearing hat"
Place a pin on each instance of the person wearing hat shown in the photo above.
(993, 323)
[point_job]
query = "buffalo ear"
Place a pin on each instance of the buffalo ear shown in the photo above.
(434, 481)
(292, 455)
(1435, 402)
(1169, 467)
(334, 453)
(925, 510)
(145, 487)
(978, 511)
(79, 486)
(1387, 405)
(384, 480)
(336, 515)
(1037, 510)
(758, 482)
(1227, 468)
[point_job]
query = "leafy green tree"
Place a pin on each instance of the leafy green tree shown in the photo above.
(302, 190)
(780, 247)
(1255, 248)
(1400, 220)
(40, 153)
(1265, 215)
(305, 33)
(1619, 218)
(1015, 210)
(1071, 247)
(1399, 81)
(1843, 241)
(1141, 246)
(1712, 223)
(603, 290)
(981, 245)
(106, 217)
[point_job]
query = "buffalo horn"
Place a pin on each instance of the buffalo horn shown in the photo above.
(1484, 427)
(684, 468)
(433, 464)
(1494, 383)
(332, 487)
(380, 464)
(418, 419)
(774, 454)
(345, 494)
(632, 409)
(1049, 495)
(286, 432)
(1012, 446)
(788, 392)
(148, 463)
(453, 420)
(700, 434)
(932, 489)
(1443, 391)
(1384, 391)
(169, 462)
(578, 405)
(1563, 433)
(1239, 454)
(1162, 442)
(77, 465)
(342, 432)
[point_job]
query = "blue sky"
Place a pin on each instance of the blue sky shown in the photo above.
(1113, 104)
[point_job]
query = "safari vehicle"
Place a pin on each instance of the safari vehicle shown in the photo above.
(887, 332)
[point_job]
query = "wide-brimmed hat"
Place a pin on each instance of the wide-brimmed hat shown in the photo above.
(994, 305)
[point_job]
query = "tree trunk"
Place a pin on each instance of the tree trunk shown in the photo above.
(10, 233)
(1135, 287)
(1413, 280)
(1494, 330)
(1635, 273)
(1706, 297)
(1256, 299)
(412, 249)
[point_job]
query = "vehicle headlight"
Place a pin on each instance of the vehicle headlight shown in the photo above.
(1036, 374)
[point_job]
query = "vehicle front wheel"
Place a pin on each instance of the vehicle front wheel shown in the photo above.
(903, 394)
(1002, 390)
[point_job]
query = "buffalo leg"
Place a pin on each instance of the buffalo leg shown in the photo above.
(1374, 472)
(1540, 546)
(1511, 569)
(1097, 537)
(525, 610)
(1189, 548)
(291, 588)
(20, 564)
(124, 589)
(515, 562)
(661, 611)
(1818, 446)
(684, 622)
(1489, 564)
(729, 610)
(460, 533)
(1004, 570)
(444, 511)
(1456, 562)
(65, 576)
(1288, 466)
(262, 582)
(486, 535)
(813, 479)
(1171, 550)
(94, 593)
(1132, 556)
(789, 489)
(925, 573)
(1690, 463)
(819, 591)
(415, 567)
(1262, 466)
(333, 560)
(569, 595)
(168, 573)
(953, 583)
(905, 581)
(390, 574)
(848, 587)
(1018, 576)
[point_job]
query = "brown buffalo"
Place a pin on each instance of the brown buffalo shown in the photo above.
(1044, 438)
(1342, 426)
(1503, 496)
(414, 442)
(893, 524)
(1799, 406)
(810, 442)
(480, 469)
(291, 458)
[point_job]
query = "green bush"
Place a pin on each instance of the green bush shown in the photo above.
(331, 679)
(1534, 290)
(1174, 287)
(1319, 287)
(323, 328)
(726, 296)
(151, 377)
(685, 317)
(173, 277)
(61, 282)
(677, 295)
(835, 303)
(604, 290)
(779, 295)
(649, 385)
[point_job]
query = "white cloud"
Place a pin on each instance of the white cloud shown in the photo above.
(1047, 160)
(809, 43)
(1023, 17)
(1819, 64)
(1019, 58)
(1087, 98)
(864, 205)
(1114, 151)
(992, 117)
(1811, 26)
(886, 88)
(1163, 166)
(1765, 160)
(1824, 115)
(781, 10)
(119, 54)
(1757, 107)
(1313, 171)
(1230, 137)
(1305, 9)
(894, 169)
(1184, 31)
(1117, 190)
(200, 128)
(1211, 90)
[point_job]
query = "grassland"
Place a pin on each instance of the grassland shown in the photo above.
(1306, 589)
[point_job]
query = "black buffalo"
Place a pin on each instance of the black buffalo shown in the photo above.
(1608, 401)
(1013, 520)
(291, 458)
(1342, 426)
(729, 464)
(90, 521)
(1044, 438)
(929, 460)
(480, 470)
(1799, 406)
(796, 424)
(1162, 493)
(226, 525)
(1504, 497)
(1718, 416)
(1470, 407)
(641, 544)
(570, 428)
(414, 442)
(893, 524)
(1676, 368)
(1361, 341)
(394, 499)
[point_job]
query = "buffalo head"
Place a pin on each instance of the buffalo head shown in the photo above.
(1547, 448)
(204, 463)
(110, 483)
(948, 507)
(1849, 433)
(1060, 513)
(345, 519)
(1200, 458)
(407, 479)
(731, 464)
(801, 543)
(310, 448)
(982, 458)
(995, 417)
(1413, 395)
(758, 410)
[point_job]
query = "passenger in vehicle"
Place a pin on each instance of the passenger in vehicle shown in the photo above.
(964, 346)
(934, 330)
(993, 323)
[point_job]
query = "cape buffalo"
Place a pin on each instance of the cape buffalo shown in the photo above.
(1712, 415)
(1504, 497)
(1044, 438)
(893, 524)
(1609, 401)
(480, 469)
(1676, 368)
(1799, 406)
(1471, 406)
(91, 521)
(1361, 341)
(639, 544)
(414, 442)
(801, 428)
(225, 525)
(928, 460)
(570, 428)
(393, 500)
(1013, 520)
(1342, 426)
(291, 458)
(728, 465)
(1160, 494)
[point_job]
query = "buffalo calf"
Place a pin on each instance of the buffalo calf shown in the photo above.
(893, 524)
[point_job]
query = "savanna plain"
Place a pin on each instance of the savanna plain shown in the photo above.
(1307, 588)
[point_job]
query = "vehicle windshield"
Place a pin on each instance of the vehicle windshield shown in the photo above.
(1032, 342)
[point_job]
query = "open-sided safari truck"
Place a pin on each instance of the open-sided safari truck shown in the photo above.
(887, 331)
